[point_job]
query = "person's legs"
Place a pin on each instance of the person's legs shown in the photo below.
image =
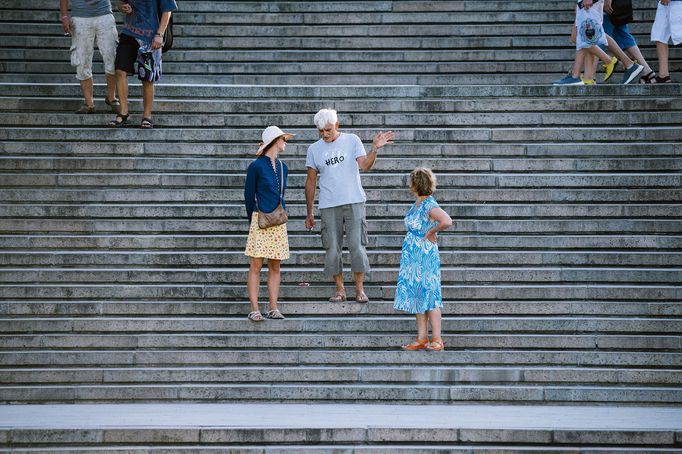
(662, 51)
(356, 232)
(636, 54)
(122, 90)
(435, 321)
(332, 241)
(253, 281)
(422, 327)
(591, 63)
(274, 278)
(126, 54)
(87, 89)
(147, 98)
(111, 87)
(107, 40)
(82, 50)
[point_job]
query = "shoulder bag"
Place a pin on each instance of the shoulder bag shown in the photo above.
(278, 216)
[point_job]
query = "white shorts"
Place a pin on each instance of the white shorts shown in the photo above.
(84, 32)
(668, 23)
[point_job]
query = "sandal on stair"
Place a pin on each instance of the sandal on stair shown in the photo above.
(255, 316)
(436, 345)
(85, 109)
(339, 297)
(361, 298)
(417, 345)
(146, 123)
(115, 104)
(275, 315)
(119, 121)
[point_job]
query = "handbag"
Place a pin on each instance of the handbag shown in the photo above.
(278, 216)
(622, 12)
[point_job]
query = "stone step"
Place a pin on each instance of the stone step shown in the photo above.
(376, 329)
(394, 211)
(323, 93)
(383, 121)
(545, 275)
(89, 308)
(316, 258)
(341, 374)
(297, 151)
(22, 164)
(357, 111)
(213, 291)
(356, 358)
(478, 226)
(596, 244)
(310, 393)
(309, 135)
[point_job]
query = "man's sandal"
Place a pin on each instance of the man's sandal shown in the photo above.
(115, 104)
(255, 316)
(146, 123)
(275, 315)
(417, 345)
(649, 78)
(436, 345)
(361, 298)
(85, 109)
(120, 121)
(339, 297)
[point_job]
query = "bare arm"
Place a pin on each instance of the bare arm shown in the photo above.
(64, 14)
(310, 186)
(366, 163)
(444, 222)
(157, 41)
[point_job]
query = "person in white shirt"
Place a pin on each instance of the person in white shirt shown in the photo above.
(337, 159)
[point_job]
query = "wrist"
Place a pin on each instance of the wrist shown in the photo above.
(65, 17)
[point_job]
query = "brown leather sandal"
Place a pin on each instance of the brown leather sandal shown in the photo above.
(417, 345)
(339, 297)
(436, 345)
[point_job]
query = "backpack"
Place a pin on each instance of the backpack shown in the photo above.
(622, 12)
(168, 36)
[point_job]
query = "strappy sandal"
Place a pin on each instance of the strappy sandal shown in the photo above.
(361, 298)
(663, 80)
(416, 345)
(648, 78)
(436, 345)
(146, 123)
(275, 315)
(339, 297)
(85, 109)
(115, 104)
(120, 121)
(255, 316)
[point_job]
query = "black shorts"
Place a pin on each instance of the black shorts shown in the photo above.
(126, 53)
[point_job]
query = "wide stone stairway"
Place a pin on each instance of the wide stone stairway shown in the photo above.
(122, 273)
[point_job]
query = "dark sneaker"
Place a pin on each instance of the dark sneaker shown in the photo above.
(631, 74)
(569, 80)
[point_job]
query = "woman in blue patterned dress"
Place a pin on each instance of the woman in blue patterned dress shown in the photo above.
(418, 290)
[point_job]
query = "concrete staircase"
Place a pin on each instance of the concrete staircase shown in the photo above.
(121, 251)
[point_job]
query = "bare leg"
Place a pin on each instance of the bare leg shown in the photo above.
(253, 281)
(122, 90)
(422, 327)
(637, 56)
(618, 53)
(274, 278)
(86, 87)
(147, 98)
(111, 86)
(435, 320)
(603, 56)
(359, 283)
(338, 280)
(591, 63)
(662, 51)
(578, 63)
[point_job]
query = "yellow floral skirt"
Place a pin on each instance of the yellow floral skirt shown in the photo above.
(270, 243)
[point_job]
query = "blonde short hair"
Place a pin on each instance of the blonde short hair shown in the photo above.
(422, 181)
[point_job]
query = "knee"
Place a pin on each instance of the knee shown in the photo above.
(274, 266)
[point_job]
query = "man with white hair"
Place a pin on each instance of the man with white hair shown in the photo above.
(338, 158)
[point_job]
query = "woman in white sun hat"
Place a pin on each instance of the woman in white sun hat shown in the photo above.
(266, 182)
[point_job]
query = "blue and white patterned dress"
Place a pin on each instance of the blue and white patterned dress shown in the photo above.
(418, 289)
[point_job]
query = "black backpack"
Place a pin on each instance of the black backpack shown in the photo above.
(168, 36)
(622, 12)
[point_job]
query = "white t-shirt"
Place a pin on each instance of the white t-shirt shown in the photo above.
(339, 175)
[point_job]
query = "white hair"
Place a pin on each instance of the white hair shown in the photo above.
(325, 117)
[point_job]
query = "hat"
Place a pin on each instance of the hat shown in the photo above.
(270, 134)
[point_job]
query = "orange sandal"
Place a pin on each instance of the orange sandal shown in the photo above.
(436, 345)
(417, 345)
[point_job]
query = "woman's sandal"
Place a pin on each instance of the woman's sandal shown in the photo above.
(120, 121)
(339, 297)
(146, 123)
(275, 315)
(663, 80)
(255, 316)
(648, 78)
(417, 345)
(436, 345)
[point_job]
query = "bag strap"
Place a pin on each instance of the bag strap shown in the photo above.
(281, 181)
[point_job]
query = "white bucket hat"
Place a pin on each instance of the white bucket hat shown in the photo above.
(270, 134)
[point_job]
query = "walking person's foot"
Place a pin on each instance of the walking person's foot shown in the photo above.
(339, 297)
(631, 73)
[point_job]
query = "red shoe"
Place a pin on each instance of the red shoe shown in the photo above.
(417, 345)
